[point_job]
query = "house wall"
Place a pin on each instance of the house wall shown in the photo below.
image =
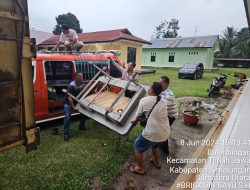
(181, 56)
(121, 45)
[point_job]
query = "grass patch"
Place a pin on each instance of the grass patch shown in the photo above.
(187, 87)
(73, 165)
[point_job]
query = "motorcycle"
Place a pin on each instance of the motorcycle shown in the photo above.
(218, 83)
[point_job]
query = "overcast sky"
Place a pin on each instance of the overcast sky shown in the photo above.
(141, 16)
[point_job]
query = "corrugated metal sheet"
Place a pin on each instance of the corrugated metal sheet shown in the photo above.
(185, 42)
(40, 36)
(102, 36)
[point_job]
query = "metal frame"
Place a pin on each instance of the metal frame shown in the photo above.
(118, 122)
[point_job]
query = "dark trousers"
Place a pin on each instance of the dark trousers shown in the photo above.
(164, 146)
(67, 119)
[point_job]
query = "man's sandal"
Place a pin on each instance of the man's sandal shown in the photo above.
(132, 170)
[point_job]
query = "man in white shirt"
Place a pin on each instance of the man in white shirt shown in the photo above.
(69, 39)
(127, 74)
(168, 95)
(156, 131)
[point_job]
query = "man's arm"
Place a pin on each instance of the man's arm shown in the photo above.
(70, 90)
(57, 46)
(71, 102)
(138, 114)
(73, 41)
(75, 37)
(135, 121)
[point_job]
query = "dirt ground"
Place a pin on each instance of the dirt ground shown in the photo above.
(162, 179)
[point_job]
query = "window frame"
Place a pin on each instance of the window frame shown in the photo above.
(171, 58)
(53, 69)
(133, 54)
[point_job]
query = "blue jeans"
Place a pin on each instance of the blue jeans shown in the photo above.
(67, 119)
(141, 144)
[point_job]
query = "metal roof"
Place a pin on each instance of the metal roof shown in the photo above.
(102, 36)
(40, 35)
(184, 42)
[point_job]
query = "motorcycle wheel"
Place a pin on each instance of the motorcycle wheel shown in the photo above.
(211, 91)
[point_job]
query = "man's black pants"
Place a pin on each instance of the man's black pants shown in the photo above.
(164, 146)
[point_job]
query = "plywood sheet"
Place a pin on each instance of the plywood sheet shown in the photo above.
(106, 98)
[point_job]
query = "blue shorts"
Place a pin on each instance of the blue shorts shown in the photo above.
(141, 144)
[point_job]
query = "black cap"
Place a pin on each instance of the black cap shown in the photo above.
(157, 88)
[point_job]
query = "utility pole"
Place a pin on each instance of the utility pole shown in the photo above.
(195, 31)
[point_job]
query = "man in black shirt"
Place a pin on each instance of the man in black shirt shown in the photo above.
(74, 88)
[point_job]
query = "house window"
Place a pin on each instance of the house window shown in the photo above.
(152, 59)
(171, 58)
(131, 54)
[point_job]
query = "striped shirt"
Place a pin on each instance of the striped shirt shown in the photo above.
(172, 107)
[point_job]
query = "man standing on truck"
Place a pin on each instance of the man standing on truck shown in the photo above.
(168, 95)
(74, 88)
(69, 39)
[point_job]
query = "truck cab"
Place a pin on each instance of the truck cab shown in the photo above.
(53, 72)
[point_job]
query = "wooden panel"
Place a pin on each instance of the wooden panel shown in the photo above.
(106, 98)
(17, 112)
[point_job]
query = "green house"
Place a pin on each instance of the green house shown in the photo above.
(175, 52)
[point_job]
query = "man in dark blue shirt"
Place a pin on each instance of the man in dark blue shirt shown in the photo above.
(74, 88)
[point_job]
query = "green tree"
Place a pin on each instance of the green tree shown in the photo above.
(227, 42)
(234, 44)
(167, 29)
(69, 19)
(242, 44)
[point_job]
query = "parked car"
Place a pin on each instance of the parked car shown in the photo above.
(191, 70)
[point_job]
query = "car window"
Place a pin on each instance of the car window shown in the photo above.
(190, 66)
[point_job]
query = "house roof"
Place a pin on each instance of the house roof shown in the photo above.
(184, 42)
(40, 36)
(102, 36)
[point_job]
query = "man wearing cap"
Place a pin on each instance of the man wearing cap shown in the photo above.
(69, 39)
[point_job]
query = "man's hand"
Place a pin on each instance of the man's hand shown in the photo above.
(74, 108)
(134, 122)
